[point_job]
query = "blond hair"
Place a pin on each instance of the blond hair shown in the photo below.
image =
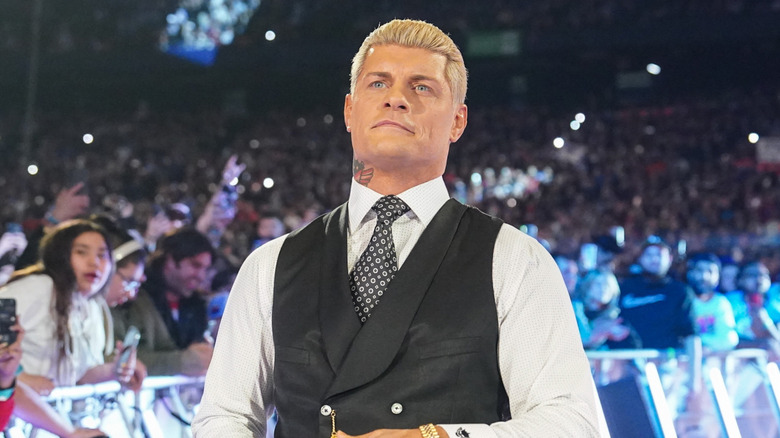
(416, 34)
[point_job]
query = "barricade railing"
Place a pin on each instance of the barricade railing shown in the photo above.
(158, 410)
(713, 394)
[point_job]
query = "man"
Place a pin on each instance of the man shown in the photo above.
(475, 325)
(169, 313)
(711, 310)
(569, 272)
(754, 324)
(656, 305)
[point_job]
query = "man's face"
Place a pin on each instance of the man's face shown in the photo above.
(755, 279)
(270, 228)
(656, 260)
(184, 277)
(703, 276)
(402, 116)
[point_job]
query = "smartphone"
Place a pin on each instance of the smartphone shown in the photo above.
(7, 319)
(129, 345)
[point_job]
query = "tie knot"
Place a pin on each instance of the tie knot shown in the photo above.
(389, 208)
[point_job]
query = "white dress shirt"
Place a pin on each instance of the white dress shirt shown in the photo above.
(542, 363)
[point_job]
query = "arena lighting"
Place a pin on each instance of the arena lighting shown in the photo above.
(270, 35)
(653, 69)
(580, 117)
(234, 181)
(32, 169)
(268, 183)
(476, 179)
(574, 125)
(88, 138)
(558, 142)
(753, 137)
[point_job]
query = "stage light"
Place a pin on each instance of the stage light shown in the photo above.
(559, 142)
(328, 119)
(32, 169)
(511, 202)
(268, 183)
(476, 179)
(753, 137)
(254, 143)
(580, 117)
(234, 181)
(574, 125)
(653, 69)
(88, 138)
(270, 35)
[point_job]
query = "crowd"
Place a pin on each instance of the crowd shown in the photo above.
(112, 25)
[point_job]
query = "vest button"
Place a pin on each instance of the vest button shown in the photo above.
(397, 408)
(325, 410)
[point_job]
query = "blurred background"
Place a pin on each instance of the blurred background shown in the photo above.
(657, 116)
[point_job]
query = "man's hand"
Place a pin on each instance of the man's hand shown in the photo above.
(232, 170)
(158, 225)
(12, 241)
(69, 203)
(196, 359)
(393, 433)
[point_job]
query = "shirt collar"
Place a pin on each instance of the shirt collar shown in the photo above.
(423, 200)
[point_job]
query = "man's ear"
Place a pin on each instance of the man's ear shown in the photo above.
(347, 111)
(459, 123)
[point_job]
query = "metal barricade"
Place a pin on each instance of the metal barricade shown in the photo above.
(158, 410)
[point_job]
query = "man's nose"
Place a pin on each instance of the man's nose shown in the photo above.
(396, 99)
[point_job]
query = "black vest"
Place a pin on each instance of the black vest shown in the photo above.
(428, 354)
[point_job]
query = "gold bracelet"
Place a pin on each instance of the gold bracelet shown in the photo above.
(429, 431)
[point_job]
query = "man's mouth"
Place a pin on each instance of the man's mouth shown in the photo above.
(393, 124)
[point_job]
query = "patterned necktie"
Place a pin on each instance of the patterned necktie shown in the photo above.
(378, 263)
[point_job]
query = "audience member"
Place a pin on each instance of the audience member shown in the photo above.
(598, 314)
(657, 306)
(169, 311)
(58, 298)
(712, 312)
(754, 325)
(10, 356)
(12, 244)
(569, 270)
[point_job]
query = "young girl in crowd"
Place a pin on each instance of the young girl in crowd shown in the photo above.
(58, 299)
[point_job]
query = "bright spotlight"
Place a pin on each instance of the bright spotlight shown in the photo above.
(270, 35)
(753, 137)
(580, 117)
(653, 69)
(32, 169)
(558, 142)
(88, 138)
(574, 125)
(268, 183)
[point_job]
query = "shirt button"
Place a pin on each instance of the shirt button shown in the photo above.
(397, 408)
(326, 410)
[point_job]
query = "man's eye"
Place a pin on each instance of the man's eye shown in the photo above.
(377, 84)
(422, 88)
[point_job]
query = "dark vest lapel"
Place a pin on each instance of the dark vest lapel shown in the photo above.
(377, 343)
(338, 321)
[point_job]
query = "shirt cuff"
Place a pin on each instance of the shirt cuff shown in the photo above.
(468, 430)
